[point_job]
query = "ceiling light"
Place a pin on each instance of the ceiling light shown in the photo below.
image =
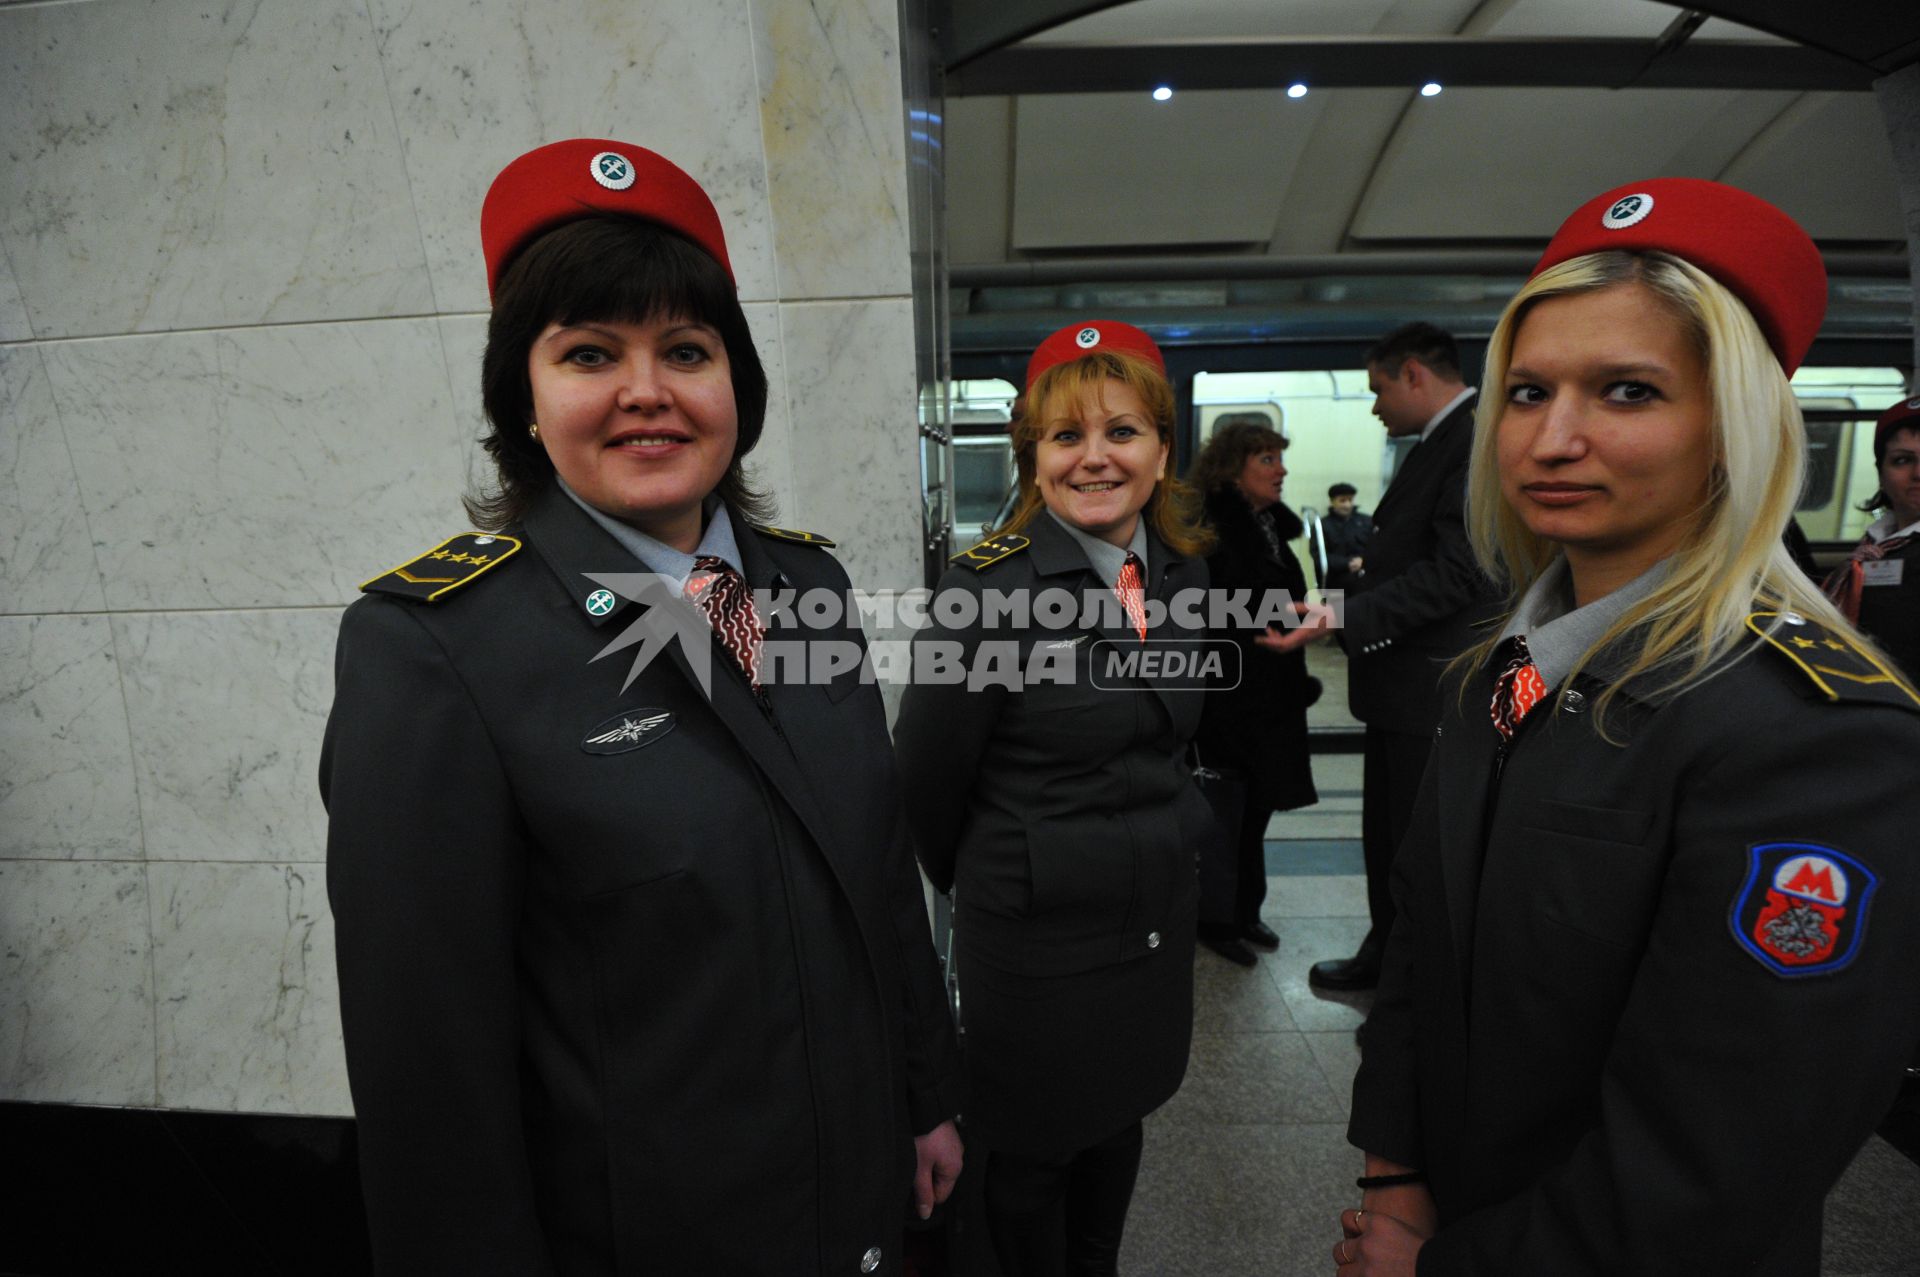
(1162, 93)
(1430, 89)
(1296, 90)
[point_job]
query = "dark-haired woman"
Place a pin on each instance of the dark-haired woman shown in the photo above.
(635, 972)
(1060, 810)
(1878, 588)
(1257, 726)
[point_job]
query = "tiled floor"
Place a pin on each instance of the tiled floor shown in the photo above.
(1247, 1168)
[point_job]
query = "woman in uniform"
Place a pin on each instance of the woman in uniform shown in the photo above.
(1059, 809)
(1257, 726)
(1652, 983)
(1878, 588)
(635, 974)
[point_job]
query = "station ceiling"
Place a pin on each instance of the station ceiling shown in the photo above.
(1057, 150)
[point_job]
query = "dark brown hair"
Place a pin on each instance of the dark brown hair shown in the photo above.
(1218, 467)
(609, 269)
(1432, 346)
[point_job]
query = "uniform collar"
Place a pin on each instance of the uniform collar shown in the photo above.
(1558, 634)
(1106, 558)
(717, 540)
(1882, 528)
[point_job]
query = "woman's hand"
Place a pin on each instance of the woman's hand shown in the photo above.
(1378, 1244)
(1316, 621)
(936, 1158)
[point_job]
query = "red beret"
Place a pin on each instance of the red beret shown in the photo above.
(1759, 253)
(1092, 335)
(561, 182)
(1904, 415)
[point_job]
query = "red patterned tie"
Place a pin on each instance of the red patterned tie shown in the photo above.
(1132, 596)
(723, 595)
(1517, 690)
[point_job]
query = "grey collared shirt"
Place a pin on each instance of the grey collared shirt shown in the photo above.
(1558, 634)
(657, 556)
(1105, 557)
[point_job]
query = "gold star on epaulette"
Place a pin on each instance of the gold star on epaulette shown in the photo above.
(991, 551)
(446, 567)
(1841, 668)
(789, 534)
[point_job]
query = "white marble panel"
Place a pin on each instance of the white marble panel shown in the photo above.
(834, 127)
(855, 434)
(177, 166)
(76, 988)
(227, 710)
(46, 552)
(463, 342)
(770, 466)
(66, 767)
(248, 1003)
(260, 467)
(477, 82)
(13, 311)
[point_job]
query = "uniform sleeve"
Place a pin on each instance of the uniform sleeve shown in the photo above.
(942, 735)
(425, 874)
(1386, 1096)
(1430, 589)
(1734, 1097)
(934, 1086)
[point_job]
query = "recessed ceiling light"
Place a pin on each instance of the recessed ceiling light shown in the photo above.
(1296, 90)
(1162, 93)
(1430, 89)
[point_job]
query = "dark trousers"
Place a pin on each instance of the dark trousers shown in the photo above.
(1250, 860)
(1390, 776)
(1062, 1216)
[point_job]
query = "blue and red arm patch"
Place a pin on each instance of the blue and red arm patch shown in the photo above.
(1803, 908)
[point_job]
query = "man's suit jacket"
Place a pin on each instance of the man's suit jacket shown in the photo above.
(1416, 605)
(640, 1000)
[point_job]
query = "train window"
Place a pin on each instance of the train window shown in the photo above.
(1327, 418)
(1840, 404)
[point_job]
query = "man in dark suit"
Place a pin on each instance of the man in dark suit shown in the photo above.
(1411, 607)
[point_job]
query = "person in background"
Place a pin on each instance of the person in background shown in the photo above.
(1653, 979)
(1258, 727)
(1062, 813)
(635, 973)
(1347, 533)
(1411, 610)
(1878, 587)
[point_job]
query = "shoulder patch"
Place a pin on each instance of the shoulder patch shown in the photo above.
(788, 534)
(1802, 910)
(991, 551)
(1837, 665)
(446, 567)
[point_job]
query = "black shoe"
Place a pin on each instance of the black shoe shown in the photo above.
(1231, 949)
(1260, 934)
(1361, 971)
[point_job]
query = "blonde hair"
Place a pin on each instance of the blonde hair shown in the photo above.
(1732, 560)
(1173, 509)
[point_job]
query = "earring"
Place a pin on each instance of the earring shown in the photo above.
(533, 431)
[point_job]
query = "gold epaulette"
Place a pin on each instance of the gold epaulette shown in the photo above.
(445, 568)
(788, 534)
(1833, 659)
(991, 551)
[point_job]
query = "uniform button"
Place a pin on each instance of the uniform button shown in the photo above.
(1572, 701)
(870, 1260)
(1793, 618)
(1153, 939)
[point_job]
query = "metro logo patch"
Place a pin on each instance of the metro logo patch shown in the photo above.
(1803, 908)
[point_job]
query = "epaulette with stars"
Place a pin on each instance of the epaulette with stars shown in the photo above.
(788, 534)
(990, 551)
(1837, 665)
(445, 568)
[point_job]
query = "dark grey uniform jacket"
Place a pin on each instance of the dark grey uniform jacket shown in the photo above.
(672, 1009)
(1598, 1074)
(1066, 821)
(1421, 595)
(1890, 614)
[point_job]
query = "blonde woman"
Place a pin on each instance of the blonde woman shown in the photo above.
(1653, 980)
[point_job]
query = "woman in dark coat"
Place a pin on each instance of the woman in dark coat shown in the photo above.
(635, 974)
(1653, 979)
(1059, 809)
(1878, 588)
(1257, 728)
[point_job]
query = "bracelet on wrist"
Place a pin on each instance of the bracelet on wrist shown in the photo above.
(1390, 1181)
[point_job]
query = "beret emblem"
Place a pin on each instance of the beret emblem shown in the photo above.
(612, 170)
(1087, 338)
(1626, 211)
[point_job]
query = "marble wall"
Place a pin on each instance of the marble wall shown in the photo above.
(241, 312)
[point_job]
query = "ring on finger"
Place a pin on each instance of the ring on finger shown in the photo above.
(1357, 1217)
(1346, 1253)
